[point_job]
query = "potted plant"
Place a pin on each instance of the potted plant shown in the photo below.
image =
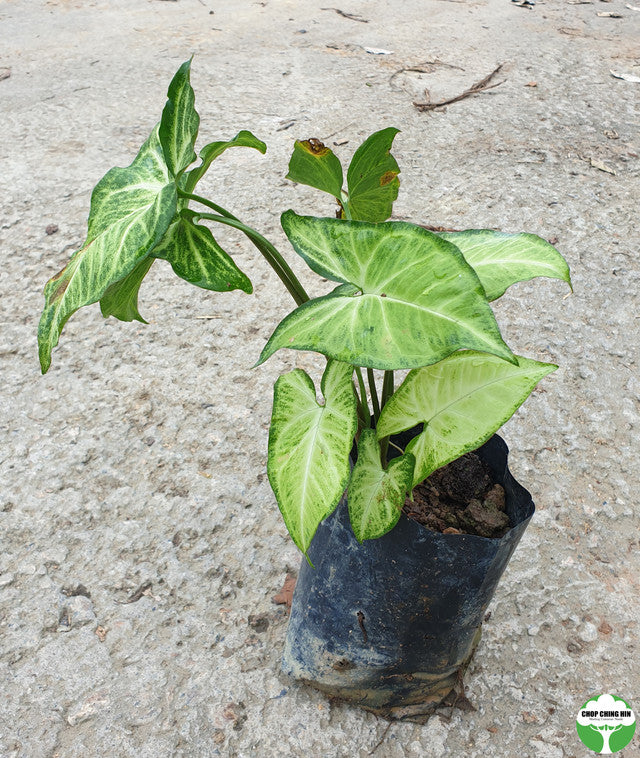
(387, 610)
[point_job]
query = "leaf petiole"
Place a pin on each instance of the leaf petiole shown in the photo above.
(364, 406)
(269, 252)
(374, 393)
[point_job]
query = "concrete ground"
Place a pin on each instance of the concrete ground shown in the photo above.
(141, 544)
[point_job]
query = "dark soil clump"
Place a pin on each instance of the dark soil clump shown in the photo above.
(460, 498)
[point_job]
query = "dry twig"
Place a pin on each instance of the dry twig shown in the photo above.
(351, 16)
(480, 86)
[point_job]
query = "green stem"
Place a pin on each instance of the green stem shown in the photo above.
(269, 252)
(387, 387)
(203, 201)
(387, 392)
(374, 394)
(384, 447)
(364, 406)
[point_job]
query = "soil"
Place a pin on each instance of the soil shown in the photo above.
(460, 498)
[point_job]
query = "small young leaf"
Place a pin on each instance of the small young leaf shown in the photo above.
(372, 178)
(315, 165)
(501, 260)
(131, 208)
(376, 496)
(180, 122)
(214, 149)
(409, 298)
(462, 401)
(121, 299)
(309, 445)
(196, 257)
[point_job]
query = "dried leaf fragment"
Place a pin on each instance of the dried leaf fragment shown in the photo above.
(623, 75)
(378, 51)
(285, 596)
(601, 166)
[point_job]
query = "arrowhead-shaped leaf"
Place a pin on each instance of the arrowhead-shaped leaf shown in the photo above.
(196, 257)
(409, 298)
(309, 447)
(121, 299)
(372, 178)
(131, 208)
(214, 149)
(462, 401)
(501, 260)
(315, 165)
(180, 122)
(376, 496)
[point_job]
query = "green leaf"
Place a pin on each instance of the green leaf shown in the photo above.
(462, 401)
(121, 299)
(131, 208)
(196, 257)
(214, 149)
(309, 445)
(315, 165)
(180, 122)
(372, 178)
(409, 299)
(376, 496)
(501, 259)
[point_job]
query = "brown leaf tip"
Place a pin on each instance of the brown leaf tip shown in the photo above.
(315, 147)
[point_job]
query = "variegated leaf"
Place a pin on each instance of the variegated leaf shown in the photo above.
(180, 122)
(196, 257)
(309, 445)
(214, 149)
(501, 259)
(131, 208)
(409, 298)
(462, 401)
(121, 299)
(376, 495)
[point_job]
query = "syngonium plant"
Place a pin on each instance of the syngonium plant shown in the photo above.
(406, 298)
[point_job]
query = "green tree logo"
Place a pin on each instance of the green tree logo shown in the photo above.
(606, 724)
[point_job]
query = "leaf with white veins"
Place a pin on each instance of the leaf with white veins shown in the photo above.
(213, 150)
(180, 122)
(309, 445)
(376, 495)
(196, 257)
(409, 298)
(131, 208)
(462, 401)
(500, 259)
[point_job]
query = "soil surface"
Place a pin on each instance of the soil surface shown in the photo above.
(460, 498)
(141, 543)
